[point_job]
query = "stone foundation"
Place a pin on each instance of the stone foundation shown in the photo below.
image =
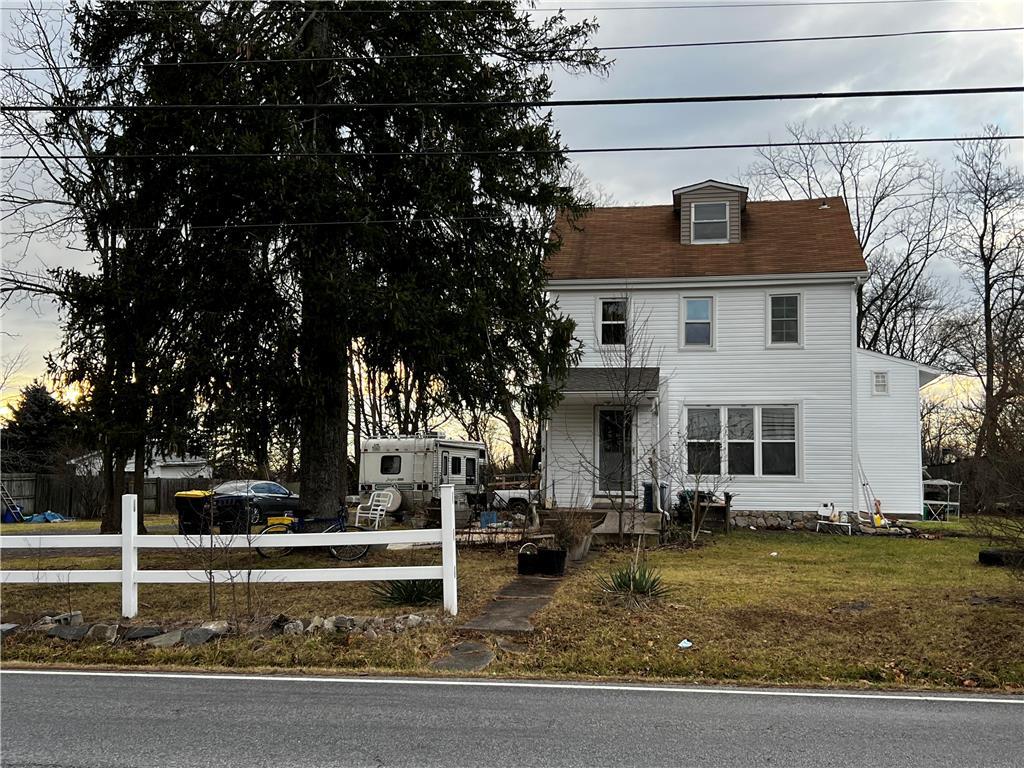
(742, 518)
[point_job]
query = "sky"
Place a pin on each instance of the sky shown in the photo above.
(938, 61)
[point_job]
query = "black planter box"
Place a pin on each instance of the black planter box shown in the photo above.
(543, 562)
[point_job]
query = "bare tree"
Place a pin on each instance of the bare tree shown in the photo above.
(900, 214)
(989, 218)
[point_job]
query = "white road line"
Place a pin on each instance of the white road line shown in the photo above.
(962, 699)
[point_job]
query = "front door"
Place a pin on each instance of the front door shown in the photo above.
(614, 450)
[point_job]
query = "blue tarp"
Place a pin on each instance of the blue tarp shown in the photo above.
(46, 517)
(13, 514)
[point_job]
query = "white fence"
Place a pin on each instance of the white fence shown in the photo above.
(130, 576)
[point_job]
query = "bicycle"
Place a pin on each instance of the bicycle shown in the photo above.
(300, 524)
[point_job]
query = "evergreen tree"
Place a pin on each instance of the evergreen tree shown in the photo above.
(37, 436)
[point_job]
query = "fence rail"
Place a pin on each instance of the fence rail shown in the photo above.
(130, 576)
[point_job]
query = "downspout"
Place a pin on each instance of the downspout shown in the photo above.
(544, 464)
(854, 379)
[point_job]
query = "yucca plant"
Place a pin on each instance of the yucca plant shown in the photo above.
(635, 584)
(409, 592)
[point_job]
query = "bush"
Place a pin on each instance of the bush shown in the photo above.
(635, 584)
(570, 527)
(409, 592)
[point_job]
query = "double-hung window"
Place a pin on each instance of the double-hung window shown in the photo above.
(879, 382)
(613, 322)
(741, 441)
(784, 319)
(709, 223)
(698, 330)
(704, 441)
(757, 440)
(778, 441)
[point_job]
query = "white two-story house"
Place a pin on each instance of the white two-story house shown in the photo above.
(719, 345)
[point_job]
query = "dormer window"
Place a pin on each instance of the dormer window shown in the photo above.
(709, 223)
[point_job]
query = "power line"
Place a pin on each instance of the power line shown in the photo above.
(383, 8)
(503, 152)
(450, 54)
(519, 104)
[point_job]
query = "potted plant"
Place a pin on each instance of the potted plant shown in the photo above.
(573, 530)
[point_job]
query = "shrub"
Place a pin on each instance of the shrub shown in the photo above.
(635, 584)
(570, 527)
(409, 592)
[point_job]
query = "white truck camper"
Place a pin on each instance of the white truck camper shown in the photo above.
(414, 467)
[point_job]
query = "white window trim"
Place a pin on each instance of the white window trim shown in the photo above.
(728, 228)
(683, 346)
(634, 469)
(800, 325)
(757, 407)
(888, 384)
(599, 321)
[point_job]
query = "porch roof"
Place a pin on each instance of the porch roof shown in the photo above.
(612, 380)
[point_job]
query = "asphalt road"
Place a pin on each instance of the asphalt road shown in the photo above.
(86, 720)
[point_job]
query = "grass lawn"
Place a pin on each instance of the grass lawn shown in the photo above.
(827, 610)
(755, 618)
(160, 522)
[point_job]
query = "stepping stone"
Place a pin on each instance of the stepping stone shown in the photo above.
(512, 615)
(467, 656)
(220, 627)
(6, 629)
(508, 646)
(530, 586)
(142, 633)
(68, 632)
(166, 640)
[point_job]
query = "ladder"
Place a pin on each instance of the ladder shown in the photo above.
(865, 488)
(5, 498)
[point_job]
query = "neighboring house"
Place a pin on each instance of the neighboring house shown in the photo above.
(734, 324)
(165, 467)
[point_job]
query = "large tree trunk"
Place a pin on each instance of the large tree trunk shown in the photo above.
(111, 522)
(139, 479)
(323, 429)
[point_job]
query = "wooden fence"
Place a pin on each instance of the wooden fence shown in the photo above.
(81, 496)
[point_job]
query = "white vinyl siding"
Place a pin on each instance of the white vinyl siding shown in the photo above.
(816, 377)
(889, 434)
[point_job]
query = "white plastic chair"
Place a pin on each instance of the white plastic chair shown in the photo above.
(374, 511)
(827, 517)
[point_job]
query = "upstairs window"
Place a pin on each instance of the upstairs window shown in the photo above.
(613, 322)
(709, 223)
(784, 319)
(880, 383)
(697, 322)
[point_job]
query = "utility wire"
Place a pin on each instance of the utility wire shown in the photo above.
(518, 104)
(450, 54)
(383, 8)
(492, 152)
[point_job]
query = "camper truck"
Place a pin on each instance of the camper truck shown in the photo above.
(414, 467)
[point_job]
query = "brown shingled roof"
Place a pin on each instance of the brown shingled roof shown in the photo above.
(778, 238)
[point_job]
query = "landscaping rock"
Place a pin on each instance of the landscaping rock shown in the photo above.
(142, 633)
(413, 620)
(68, 632)
(72, 619)
(166, 640)
(292, 628)
(198, 636)
(217, 627)
(315, 624)
(279, 621)
(6, 629)
(341, 623)
(43, 626)
(370, 634)
(104, 633)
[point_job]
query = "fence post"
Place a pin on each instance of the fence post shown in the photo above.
(448, 564)
(129, 555)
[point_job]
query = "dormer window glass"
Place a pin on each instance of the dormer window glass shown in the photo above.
(709, 223)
